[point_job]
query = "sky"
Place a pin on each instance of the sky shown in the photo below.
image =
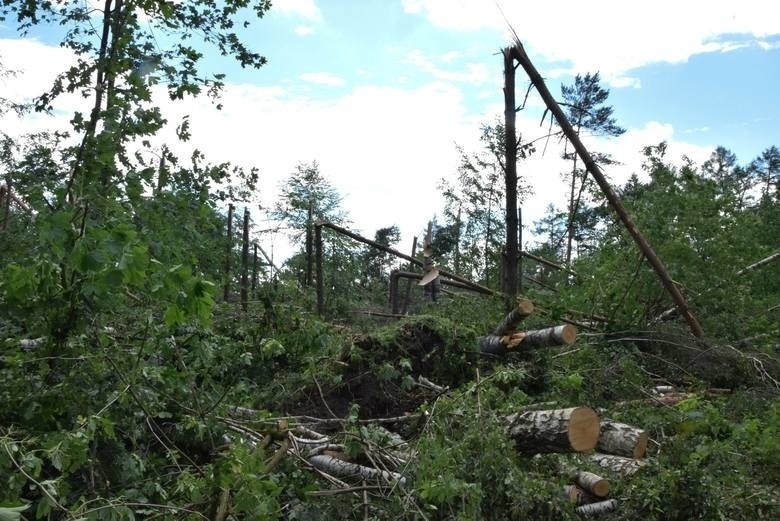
(380, 92)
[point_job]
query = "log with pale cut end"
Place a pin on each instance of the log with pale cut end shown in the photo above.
(523, 309)
(575, 429)
(346, 470)
(618, 464)
(595, 509)
(592, 483)
(551, 336)
(622, 440)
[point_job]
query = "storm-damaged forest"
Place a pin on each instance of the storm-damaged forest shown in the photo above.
(616, 358)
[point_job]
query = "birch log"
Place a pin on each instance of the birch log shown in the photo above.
(561, 430)
(591, 483)
(346, 470)
(595, 509)
(523, 309)
(622, 440)
(551, 336)
(623, 466)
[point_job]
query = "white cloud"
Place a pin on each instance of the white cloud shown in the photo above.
(613, 36)
(306, 9)
(475, 73)
(322, 78)
(304, 30)
(384, 158)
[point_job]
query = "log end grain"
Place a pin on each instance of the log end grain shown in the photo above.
(584, 428)
(641, 445)
(524, 306)
(568, 334)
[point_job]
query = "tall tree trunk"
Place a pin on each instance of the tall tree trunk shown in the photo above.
(457, 242)
(254, 271)
(228, 253)
(309, 245)
(245, 262)
(8, 198)
(510, 162)
(520, 250)
(572, 209)
(94, 116)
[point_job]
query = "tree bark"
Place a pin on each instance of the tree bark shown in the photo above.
(320, 282)
(510, 173)
(561, 430)
(595, 509)
(663, 274)
(622, 440)
(245, 262)
(346, 470)
(618, 464)
(309, 246)
(254, 270)
(551, 336)
(228, 252)
(523, 309)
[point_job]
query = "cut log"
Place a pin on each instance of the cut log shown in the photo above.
(622, 440)
(551, 336)
(560, 430)
(663, 389)
(346, 470)
(618, 464)
(595, 509)
(577, 496)
(591, 483)
(523, 309)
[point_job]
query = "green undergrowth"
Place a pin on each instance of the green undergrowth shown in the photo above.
(117, 421)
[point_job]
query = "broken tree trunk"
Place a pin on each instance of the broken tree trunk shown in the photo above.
(343, 469)
(595, 509)
(622, 440)
(551, 336)
(510, 173)
(575, 429)
(523, 309)
(618, 464)
(518, 52)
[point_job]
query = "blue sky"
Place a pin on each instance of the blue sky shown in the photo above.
(379, 91)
